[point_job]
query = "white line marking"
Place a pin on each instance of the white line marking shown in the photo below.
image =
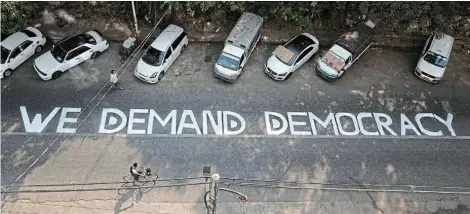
(407, 137)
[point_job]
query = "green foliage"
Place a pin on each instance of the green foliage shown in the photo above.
(15, 15)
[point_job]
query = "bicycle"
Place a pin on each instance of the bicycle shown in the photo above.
(147, 181)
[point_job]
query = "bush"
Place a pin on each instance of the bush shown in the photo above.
(15, 15)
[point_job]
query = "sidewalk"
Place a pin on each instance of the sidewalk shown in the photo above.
(119, 33)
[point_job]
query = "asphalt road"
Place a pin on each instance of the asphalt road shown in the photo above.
(380, 82)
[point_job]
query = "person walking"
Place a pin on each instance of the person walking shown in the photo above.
(114, 79)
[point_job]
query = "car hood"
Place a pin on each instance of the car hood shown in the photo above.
(226, 71)
(327, 69)
(146, 69)
(430, 68)
(277, 66)
(46, 62)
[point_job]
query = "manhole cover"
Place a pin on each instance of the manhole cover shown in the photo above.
(207, 58)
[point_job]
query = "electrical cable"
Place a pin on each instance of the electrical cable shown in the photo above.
(101, 189)
(342, 184)
(50, 145)
(349, 189)
(101, 183)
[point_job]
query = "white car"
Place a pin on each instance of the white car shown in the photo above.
(70, 52)
(291, 56)
(161, 54)
(434, 58)
(19, 47)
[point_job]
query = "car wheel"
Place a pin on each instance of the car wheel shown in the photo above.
(56, 74)
(183, 48)
(38, 48)
(7, 73)
(95, 55)
(160, 76)
(288, 76)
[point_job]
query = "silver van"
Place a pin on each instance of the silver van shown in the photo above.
(238, 47)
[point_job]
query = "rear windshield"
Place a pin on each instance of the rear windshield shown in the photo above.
(29, 33)
(436, 59)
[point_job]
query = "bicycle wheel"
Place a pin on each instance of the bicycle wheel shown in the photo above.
(124, 189)
(128, 178)
(147, 186)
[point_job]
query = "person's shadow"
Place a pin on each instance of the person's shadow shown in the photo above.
(126, 194)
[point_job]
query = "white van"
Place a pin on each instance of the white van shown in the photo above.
(238, 47)
(434, 58)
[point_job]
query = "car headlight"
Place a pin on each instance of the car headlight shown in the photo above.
(154, 75)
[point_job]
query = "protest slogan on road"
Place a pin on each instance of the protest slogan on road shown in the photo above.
(210, 122)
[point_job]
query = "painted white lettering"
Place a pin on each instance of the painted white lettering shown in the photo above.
(360, 116)
(132, 120)
(171, 116)
(64, 119)
(233, 123)
(407, 124)
(207, 115)
(293, 123)
(275, 128)
(192, 125)
(37, 125)
(383, 124)
(112, 120)
(340, 126)
(447, 122)
(324, 124)
(418, 118)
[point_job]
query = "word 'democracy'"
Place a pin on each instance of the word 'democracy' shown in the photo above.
(206, 122)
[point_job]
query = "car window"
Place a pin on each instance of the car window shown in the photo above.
(82, 49)
(25, 45)
(5, 53)
(29, 33)
(168, 53)
(303, 54)
(242, 59)
(428, 45)
(71, 55)
(178, 40)
(15, 52)
(347, 60)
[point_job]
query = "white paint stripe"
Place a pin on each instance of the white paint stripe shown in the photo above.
(407, 137)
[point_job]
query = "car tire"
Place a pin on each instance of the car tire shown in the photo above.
(7, 73)
(182, 49)
(38, 49)
(288, 76)
(56, 74)
(95, 55)
(161, 75)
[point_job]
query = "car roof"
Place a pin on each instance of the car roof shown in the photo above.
(299, 43)
(164, 40)
(14, 40)
(442, 45)
(73, 42)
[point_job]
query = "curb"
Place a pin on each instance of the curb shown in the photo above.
(326, 38)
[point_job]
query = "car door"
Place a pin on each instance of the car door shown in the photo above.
(242, 61)
(15, 58)
(347, 63)
(176, 46)
(77, 56)
(28, 49)
(169, 58)
(427, 45)
(303, 57)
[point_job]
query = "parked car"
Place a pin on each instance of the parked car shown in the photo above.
(238, 47)
(161, 54)
(19, 47)
(70, 52)
(345, 51)
(291, 56)
(434, 58)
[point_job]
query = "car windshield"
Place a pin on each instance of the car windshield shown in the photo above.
(58, 53)
(334, 61)
(5, 53)
(153, 57)
(436, 59)
(290, 62)
(228, 61)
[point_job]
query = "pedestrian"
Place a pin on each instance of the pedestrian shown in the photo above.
(114, 79)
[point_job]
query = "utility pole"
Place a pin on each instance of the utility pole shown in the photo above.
(213, 192)
(135, 20)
